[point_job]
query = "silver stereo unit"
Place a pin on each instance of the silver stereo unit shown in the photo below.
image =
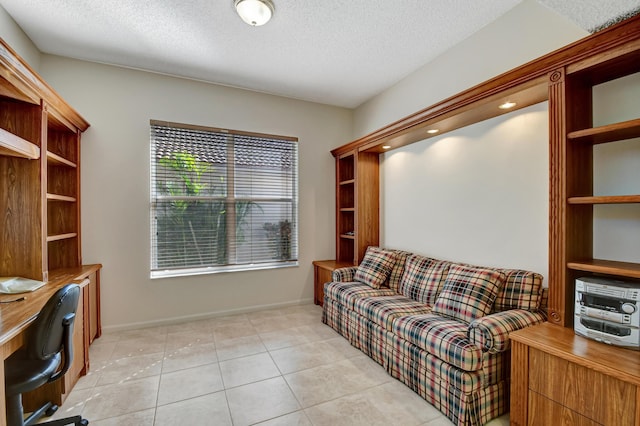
(608, 311)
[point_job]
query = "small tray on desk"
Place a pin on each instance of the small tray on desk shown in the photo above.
(14, 285)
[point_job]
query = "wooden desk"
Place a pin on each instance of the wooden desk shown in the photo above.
(562, 379)
(15, 319)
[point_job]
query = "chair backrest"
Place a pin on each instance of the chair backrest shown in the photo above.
(54, 323)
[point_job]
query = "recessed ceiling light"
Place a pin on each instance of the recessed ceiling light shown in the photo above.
(386, 146)
(507, 105)
(432, 131)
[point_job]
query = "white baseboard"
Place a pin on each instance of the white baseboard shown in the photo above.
(203, 316)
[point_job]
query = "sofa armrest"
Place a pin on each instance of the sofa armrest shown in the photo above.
(491, 333)
(344, 275)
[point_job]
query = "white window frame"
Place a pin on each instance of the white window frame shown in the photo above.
(229, 197)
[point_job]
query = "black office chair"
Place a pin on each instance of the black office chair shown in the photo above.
(50, 344)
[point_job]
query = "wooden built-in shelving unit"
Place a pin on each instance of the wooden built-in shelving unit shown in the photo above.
(357, 204)
(541, 354)
(40, 210)
(39, 174)
(565, 79)
(572, 138)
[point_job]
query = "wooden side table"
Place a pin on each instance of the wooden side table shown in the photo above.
(322, 270)
(562, 379)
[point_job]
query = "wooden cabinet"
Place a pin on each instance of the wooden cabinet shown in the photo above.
(357, 204)
(39, 174)
(77, 368)
(572, 198)
(40, 208)
(322, 272)
(93, 315)
(563, 379)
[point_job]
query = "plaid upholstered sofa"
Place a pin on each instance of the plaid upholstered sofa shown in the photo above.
(442, 328)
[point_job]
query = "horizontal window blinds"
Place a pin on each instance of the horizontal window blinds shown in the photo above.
(221, 200)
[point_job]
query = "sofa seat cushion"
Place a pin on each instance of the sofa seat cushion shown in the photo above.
(417, 368)
(442, 337)
(336, 316)
(383, 309)
(347, 294)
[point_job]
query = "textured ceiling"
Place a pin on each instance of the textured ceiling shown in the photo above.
(338, 52)
(594, 15)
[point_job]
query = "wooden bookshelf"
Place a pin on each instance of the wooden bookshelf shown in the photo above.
(40, 202)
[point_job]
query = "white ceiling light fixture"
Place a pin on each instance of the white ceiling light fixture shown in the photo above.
(255, 12)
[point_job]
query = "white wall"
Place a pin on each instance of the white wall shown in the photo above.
(18, 40)
(478, 194)
(115, 185)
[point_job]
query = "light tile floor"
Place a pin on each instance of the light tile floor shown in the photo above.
(274, 367)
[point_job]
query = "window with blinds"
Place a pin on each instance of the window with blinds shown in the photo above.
(221, 200)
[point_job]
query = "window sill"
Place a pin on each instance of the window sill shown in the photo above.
(171, 273)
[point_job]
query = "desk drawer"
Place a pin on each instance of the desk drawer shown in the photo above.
(596, 396)
(545, 412)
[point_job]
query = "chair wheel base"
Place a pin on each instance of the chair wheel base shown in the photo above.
(83, 422)
(51, 410)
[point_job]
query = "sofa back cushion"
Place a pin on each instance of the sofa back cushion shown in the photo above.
(522, 290)
(423, 278)
(375, 268)
(469, 292)
(398, 269)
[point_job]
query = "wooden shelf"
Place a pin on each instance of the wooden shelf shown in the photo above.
(608, 199)
(56, 197)
(15, 146)
(60, 161)
(348, 237)
(59, 237)
(609, 133)
(622, 269)
(348, 182)
(348, 209)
